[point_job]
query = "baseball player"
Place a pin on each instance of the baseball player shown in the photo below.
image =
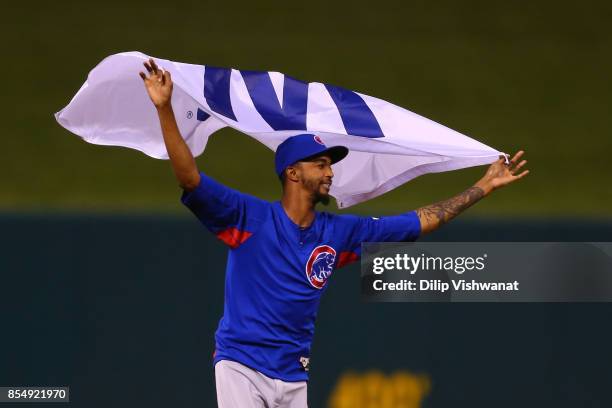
(283, 253)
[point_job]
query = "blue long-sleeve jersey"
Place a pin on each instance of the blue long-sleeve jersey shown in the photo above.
(277, 271)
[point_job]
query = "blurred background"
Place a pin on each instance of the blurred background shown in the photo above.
(109, 286)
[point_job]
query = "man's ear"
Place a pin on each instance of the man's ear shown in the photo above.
(292, 172)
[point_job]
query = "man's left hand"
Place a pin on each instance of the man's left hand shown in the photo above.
(500, 174)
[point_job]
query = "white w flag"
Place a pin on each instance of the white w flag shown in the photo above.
(388, 145)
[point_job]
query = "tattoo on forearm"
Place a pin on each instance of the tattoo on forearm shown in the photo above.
(439, 213)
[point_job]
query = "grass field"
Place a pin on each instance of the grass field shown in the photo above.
(533, 76)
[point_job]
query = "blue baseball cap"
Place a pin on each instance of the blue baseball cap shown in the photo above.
(301, 147)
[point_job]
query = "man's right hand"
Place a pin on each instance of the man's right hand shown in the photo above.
(159, 87)
(158, 84)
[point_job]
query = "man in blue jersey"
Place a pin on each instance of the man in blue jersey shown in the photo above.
(282, 254)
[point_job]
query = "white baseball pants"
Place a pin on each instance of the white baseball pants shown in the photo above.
(239, 386)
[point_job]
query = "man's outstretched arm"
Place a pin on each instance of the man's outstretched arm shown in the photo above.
(498, 175)
(159, 87)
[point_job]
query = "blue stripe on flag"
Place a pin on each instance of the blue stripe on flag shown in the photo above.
(357, 117)
(201, 115)
(290, 116)
(217, 90)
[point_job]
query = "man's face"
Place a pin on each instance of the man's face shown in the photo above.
(316, 177)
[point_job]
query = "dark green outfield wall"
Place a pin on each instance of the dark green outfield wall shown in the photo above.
(123, 309)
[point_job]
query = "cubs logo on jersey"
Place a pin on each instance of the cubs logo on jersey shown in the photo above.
(320, 265)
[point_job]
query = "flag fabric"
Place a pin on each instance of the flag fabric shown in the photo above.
(388, 145)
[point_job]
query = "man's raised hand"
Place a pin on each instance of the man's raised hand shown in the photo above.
(159, 88)
(158, 84)
(500, 174)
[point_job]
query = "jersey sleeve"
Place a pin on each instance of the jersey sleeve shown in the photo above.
(355, 230)
(229, 214)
